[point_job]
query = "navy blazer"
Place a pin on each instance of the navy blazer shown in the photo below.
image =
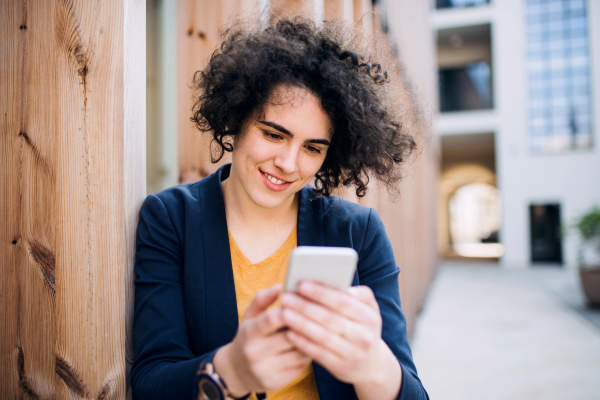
(185, 304)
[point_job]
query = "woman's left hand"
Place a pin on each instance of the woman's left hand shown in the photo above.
(341, 330)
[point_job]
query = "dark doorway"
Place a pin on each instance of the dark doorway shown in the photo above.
(546, 241)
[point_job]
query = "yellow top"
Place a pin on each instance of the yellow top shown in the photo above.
(250, 278)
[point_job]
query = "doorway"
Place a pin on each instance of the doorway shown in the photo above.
(546, 240)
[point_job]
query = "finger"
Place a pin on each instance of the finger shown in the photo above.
(277, 343)
(263, 299)
(316, 312)
(317, 333)
(289, 360)
(273, 381)
(318, 353)
(357, 333)
(268, 322)
(364, 294)
(337, 300)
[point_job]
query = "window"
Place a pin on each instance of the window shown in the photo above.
(560, 115)
(464, 65)
(466, 88)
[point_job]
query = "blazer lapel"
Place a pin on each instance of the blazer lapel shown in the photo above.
(220, 303)
(310, 231)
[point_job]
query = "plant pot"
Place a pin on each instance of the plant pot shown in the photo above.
(590, 281)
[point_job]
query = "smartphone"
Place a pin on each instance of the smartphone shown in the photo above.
(332, 266)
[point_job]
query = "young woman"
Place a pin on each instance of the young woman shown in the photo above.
(293, 104)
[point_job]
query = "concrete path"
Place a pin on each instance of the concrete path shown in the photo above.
(490, 333)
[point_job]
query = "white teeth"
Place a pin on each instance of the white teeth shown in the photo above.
(273, 179)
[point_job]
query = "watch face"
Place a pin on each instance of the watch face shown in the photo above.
(209, 389)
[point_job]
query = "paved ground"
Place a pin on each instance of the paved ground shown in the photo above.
(488, 333)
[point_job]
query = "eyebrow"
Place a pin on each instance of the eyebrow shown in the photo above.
(288, 133)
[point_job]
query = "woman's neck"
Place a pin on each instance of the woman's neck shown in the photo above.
(241, 210)
(257, 231)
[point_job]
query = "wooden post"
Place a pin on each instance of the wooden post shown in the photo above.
(198, 36)
(363, 16)
(339, 9)
(313, 9)
(72, 150)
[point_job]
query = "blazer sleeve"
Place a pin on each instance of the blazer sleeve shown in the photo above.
(377, 269)
(165, 367)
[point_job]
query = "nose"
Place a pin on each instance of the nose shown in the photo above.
(287, 160)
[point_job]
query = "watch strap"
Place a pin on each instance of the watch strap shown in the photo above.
(207, 368)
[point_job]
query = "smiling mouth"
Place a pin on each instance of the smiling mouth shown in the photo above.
(273, 179)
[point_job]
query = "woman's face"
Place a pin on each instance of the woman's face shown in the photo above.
(280, 151)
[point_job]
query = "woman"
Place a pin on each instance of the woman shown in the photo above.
(293, 104)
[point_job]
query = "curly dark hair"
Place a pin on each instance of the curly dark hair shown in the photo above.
(243, 72)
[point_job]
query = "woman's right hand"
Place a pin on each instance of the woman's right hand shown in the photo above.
(260, 358)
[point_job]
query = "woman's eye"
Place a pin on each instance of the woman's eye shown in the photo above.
(313, 150)
(273, 136)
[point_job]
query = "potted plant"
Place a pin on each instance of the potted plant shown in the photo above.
(588, 227)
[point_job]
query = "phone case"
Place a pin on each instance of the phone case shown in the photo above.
(332, 266)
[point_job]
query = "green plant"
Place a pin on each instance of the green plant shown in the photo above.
(588, 227)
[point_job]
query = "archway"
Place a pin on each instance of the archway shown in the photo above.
(470, 212)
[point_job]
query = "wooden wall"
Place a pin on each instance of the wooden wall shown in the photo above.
(72, 156)
(410, 221)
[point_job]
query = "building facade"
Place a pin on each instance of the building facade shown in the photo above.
(519, 123)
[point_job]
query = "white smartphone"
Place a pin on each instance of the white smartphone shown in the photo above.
(332, 266)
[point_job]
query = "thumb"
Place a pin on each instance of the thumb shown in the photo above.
(263, 299)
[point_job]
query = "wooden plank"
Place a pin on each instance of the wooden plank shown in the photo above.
(198, 36)
(200, 22)
(29, 177)
(313, 9)
(89, 199)
(339, 9)
(363, 17)
(287, 7)
(71, 149)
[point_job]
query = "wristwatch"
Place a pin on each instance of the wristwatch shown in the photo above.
(212, 387)
(210, 384)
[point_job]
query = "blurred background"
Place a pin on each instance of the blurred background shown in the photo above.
(485, 231)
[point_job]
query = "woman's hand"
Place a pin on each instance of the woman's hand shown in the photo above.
(341, 330)
(261, 357)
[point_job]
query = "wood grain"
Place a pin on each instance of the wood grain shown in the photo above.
(72, 182)
(196, 36)
(27, 236)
